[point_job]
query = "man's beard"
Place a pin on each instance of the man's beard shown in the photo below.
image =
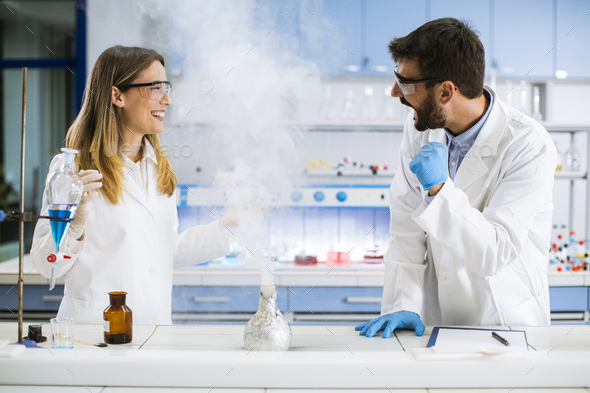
(430, 116)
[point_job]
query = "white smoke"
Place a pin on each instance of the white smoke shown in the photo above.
(237, 75)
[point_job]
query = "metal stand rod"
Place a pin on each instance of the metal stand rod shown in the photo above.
(21, 223)
(587, 228)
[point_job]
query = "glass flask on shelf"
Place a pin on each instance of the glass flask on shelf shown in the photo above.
(328, 111)
(349, 107)
(388, 109)
(63, 190)
(523, 98)
(118, 320)
(368, 110)
(559, 160)
(537, 104)
(572, 158)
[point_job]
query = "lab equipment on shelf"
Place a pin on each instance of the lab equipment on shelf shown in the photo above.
(349, 107)
(305, 260)
(63, 191)
(569, 256)
(338, 259)
(268, 329)
(373, 256)
(509, 89)
(559, 159)
(572, 158)
(368, 110)
(328, 111)
(388, 108)
(118, 320)
(537, 104)
(523, 98)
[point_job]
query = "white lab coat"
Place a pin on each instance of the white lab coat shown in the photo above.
(477, 254)
(131, 247)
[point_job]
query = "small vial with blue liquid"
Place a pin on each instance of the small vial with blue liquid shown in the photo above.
(63, 190)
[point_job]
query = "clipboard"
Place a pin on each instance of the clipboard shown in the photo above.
(457, 337)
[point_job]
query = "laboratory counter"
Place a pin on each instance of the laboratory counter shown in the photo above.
(286, 274)
(329, 357)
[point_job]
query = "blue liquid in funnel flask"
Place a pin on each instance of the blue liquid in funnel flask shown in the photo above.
(60, 228)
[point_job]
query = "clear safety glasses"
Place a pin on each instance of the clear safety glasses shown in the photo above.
(152, 90)
(407, 86)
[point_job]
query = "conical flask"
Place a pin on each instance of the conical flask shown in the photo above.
(268, 329)
(63, 190)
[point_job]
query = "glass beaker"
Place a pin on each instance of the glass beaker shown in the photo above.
(62, 333)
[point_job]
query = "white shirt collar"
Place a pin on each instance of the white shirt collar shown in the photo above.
(149, 152)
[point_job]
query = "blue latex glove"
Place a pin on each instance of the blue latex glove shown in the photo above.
(390, 322)
(431, 164)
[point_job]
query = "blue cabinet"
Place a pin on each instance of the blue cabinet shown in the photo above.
(523, 37)
(221, 299)
(335, 299)
(331, 35)
(35, 298)
(573, 38)
(384, 21)
(568, 299)
(476, 13)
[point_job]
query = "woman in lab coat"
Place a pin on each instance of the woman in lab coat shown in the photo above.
(124, 234)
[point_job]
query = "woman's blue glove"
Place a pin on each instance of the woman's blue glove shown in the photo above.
(389, 322)
(431, 164)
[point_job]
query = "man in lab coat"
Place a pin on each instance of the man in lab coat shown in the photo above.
(471, 201)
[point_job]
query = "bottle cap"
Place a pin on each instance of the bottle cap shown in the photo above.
(69, 155)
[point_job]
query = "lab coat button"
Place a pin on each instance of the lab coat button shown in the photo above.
(150, 220)
(156, 321)
(443, 277)
(153, 270)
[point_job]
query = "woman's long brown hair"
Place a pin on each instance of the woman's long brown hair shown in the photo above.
(97, 134)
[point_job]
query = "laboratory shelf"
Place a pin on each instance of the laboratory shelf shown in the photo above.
(570, 175)
(387, 127)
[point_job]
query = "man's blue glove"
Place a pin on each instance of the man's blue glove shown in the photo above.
(431, 164)
(389, 322)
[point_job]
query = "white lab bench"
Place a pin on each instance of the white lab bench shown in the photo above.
(329, 357)
(307, 294)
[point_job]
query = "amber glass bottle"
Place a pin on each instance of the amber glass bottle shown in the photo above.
(118, 320)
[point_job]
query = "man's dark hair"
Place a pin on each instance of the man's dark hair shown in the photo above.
(446, 49)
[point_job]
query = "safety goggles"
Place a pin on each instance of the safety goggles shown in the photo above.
(407, 86)
(152, 90)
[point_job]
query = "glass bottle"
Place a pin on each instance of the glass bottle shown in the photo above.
(537, 104)
(328, 111)
(368, 110)
(349, 107)
(388, 109)
(572, 158)
(118, 320)
(523, 98)
(63, 190)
